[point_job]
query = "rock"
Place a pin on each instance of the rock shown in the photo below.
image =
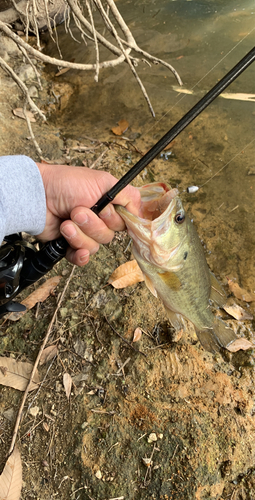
(152, 437)
(26, 72)
(33, 92)
(34, 411)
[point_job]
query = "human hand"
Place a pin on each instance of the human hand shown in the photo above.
(70, 192)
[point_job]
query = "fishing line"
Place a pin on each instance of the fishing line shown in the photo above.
(199, 81)
(226, 164)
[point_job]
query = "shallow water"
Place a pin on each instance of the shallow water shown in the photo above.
(203, 41)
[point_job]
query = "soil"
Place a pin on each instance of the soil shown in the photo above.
(189, 412)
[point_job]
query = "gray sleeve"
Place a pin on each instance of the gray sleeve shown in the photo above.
(22, 196)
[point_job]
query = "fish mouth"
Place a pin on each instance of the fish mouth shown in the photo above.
(158, 201)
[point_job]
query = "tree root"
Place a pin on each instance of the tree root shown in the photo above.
(37, 13)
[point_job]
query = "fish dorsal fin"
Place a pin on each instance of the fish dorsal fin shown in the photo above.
(217, 293)
(171, 280)
(150, 285)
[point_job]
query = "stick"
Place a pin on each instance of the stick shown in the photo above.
(19, 417)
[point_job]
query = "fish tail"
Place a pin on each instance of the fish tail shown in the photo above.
(213, 339)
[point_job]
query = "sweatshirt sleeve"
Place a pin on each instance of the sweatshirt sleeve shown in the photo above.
(22, 196)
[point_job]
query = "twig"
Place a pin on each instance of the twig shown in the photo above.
(125, 340)
(19, 417)
(149, 468)
(98, 159)
(37, 147)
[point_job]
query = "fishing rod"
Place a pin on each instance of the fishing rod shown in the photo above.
(21, 266)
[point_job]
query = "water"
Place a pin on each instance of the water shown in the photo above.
(203, 40)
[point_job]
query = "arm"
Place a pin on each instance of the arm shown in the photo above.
(22, 196)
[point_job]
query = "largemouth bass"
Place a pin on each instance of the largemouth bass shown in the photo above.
(169, 252)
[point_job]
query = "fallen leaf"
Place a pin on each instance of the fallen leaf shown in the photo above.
(238, 97)
(46, 426)
(48, 354)
(125, 275)
(239, 344)
(62, 71)
(67, 383)
(237, 312)
(121, 128)
(137, 334)
(240, 293)
(20, 113)
(39, 295)
(11, 477)
(16, 374)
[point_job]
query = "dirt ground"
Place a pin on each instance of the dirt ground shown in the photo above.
(154, 419)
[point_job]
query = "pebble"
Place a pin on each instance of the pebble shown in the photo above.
(34, 411)
(251, 171)
(152, 437)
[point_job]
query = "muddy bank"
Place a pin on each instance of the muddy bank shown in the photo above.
(174, 422)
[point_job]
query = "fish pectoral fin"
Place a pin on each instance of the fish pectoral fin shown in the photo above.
(212, 339)
(171, 280)
(217, 293)
(150, 285)
(175, 319)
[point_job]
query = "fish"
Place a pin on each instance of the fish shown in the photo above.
(169, 252)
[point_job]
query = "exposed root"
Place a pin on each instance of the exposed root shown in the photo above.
(38, 14)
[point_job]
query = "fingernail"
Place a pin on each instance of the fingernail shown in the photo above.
(69, 231)
(84, 258)
(81, 218)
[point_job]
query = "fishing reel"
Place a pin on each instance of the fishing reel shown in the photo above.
(21, 265)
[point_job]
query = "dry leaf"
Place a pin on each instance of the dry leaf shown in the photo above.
(39, 295)
(67, 383)
(237, 312)
(240, 293)
(48, 354)
(46, 426)
(125, 275)
(137, 334)
(62, 71)
(20, 113)
(11, 477)
(239, 344)
(121, 128)
(16, 374)
(239, 96)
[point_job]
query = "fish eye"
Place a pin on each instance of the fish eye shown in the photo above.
(180, 218)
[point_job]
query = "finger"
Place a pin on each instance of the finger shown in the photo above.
(77, 257)
(129, 198)
(111, 219)
(76, 238)
(91, 225)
